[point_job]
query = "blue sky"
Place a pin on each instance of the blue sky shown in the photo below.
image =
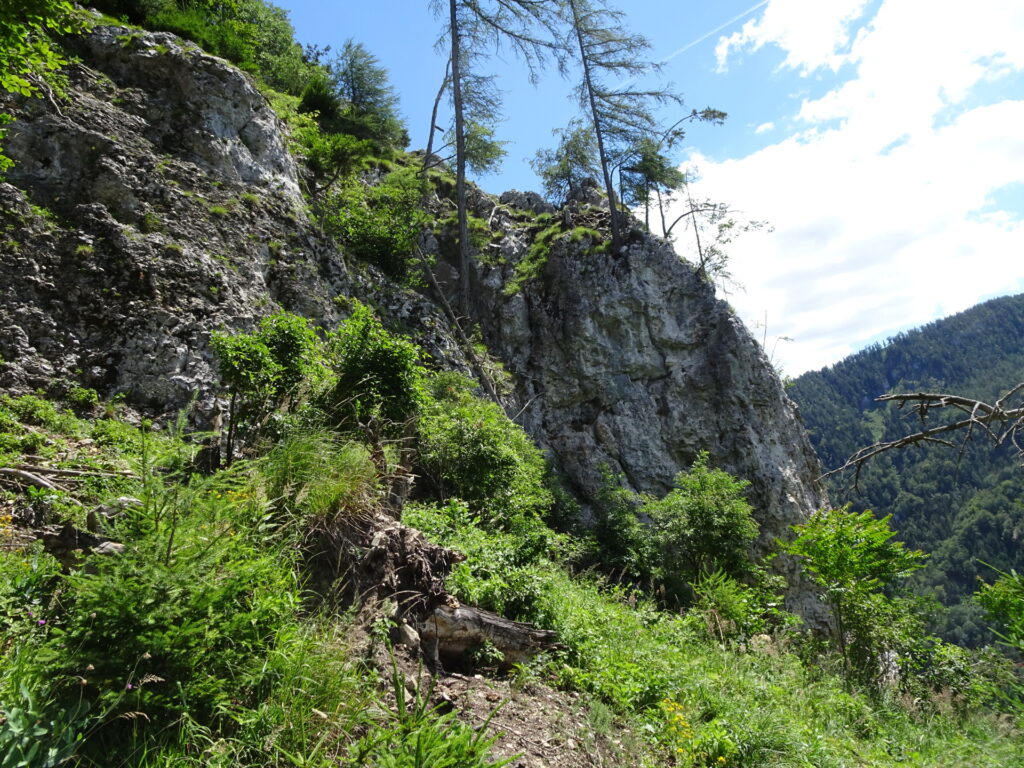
(883, 141)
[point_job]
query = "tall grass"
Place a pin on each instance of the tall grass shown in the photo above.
(701, 701)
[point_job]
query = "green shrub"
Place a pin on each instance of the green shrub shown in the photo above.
(230, 38)
(379, 224)
(313, 474)
(623, 541)
(701, 526)
(1003, 600)
(34, 410)
(180, 621)
(272, 368)
(378, 381)
(83, 398)
(733, 610)
(320, 98)
(469, 449)
(855, 558)
(503, 572)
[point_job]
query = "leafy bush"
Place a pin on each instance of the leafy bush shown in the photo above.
(469, 449)
(379, 224)
(1004, 602)
(83, 398)
(853, 557)
(701, 526)
(272, 368)
(732, 610)
(378, 381)
(623, 541)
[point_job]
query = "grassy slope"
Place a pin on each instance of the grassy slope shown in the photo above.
(191, 648)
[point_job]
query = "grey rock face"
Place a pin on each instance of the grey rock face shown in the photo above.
(196, 106)
(629, 361)
(158, 204)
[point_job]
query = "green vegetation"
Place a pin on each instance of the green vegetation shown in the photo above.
(960, 505)
(764, 700)
(188, 647)
(378, 382)
(197, 644)
(563, 169)
(381, 223)
(532, 265)
(853, 558)
(208, 638)
(29, 59)
(703, 526)
(468, 449)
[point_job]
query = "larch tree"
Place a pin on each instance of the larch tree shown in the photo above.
(474, 26)
(371, 106)
(613, 66)
(612, 62)
(564, 168)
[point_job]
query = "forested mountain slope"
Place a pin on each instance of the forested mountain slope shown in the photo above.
(966, 509)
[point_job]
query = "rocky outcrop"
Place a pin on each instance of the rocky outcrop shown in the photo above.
(160, 203)
(155, 205)
(628, 360)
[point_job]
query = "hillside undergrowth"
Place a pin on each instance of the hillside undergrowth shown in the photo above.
(197, 641)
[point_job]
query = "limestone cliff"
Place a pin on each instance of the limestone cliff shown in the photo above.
(628, 360)
(158, 203)
(161, 203)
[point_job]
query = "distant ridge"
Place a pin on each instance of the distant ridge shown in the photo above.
(965, 512)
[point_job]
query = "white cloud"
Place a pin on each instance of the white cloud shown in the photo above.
(883, 205)
(812, 32)
(764, 127)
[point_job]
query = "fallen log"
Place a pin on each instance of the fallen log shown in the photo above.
(452, 631)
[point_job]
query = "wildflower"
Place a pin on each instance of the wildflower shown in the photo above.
(41, 622)
(128, 686)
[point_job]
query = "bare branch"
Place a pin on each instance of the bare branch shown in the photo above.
(1000, 423)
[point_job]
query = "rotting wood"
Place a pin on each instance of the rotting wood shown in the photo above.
(451, 631)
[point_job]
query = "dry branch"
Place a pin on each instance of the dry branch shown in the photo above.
(73, 472)
(30, 478)
(1001, 424)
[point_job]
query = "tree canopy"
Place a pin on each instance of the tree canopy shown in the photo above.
(28, 56)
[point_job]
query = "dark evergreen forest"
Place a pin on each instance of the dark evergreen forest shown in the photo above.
(963, 505)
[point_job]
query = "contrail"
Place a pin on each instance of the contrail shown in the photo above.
(716, 30)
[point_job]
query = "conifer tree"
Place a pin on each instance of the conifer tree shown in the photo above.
(564, 168)
(371, 110)
(619, 111)
(472, 27)
(613, 64)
